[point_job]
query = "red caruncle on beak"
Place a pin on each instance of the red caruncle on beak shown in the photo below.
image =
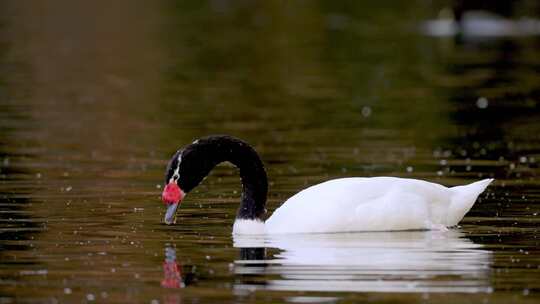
(172, 194)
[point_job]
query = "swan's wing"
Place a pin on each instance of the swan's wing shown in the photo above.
(362, 204)
(396, 210)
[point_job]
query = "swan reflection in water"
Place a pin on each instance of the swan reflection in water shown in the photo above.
(172, 274)
(175, 276)
(172, 271)
(419, 261)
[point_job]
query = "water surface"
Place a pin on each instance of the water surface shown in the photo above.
(95, 97)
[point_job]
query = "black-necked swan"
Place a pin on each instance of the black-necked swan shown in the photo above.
(339, 205)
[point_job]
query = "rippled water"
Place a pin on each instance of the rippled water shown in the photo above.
(94, 99)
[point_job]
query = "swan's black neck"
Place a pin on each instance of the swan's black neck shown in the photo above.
(194, 162)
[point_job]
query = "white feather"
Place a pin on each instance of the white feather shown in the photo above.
(248, 227)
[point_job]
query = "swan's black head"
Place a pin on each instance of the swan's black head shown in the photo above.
(185, 171)
(191, 164)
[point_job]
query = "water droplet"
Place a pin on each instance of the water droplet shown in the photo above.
(482, 103)
(67, 290)
(90, 297)
(366, 111)
(410, 169)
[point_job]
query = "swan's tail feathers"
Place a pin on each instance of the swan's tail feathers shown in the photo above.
(463, 198)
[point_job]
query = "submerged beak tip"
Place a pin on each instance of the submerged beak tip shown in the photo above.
(168, 222)
(170, 213)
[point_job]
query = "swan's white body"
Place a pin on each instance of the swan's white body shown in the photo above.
(368, 204)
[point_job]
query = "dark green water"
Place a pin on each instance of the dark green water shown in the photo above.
(95, 98)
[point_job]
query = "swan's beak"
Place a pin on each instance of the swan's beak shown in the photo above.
(170, 214)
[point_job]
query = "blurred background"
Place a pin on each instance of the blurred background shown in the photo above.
(96, 96)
